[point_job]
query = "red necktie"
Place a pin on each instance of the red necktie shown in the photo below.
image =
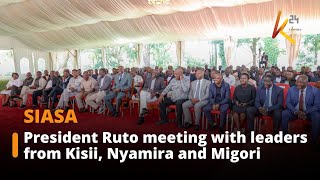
(301, 101)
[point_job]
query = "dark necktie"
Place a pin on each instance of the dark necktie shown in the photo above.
(267, 102)
(301, 101)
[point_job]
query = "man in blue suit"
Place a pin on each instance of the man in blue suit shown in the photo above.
(122, 83)
(303, 102)
(219, 98)
(269, 100)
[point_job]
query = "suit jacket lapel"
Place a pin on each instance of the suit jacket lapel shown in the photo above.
(214, 91)
(203, 88)
(308, 94)
(263, 95)
(222, 90)
(296, 95)
(274, 95)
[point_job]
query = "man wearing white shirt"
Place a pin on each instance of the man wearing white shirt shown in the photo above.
(137, 80)
(228, 78)
(88, 85)
(73, 88)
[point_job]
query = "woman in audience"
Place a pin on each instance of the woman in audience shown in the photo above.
(244, 96)
(14, 83)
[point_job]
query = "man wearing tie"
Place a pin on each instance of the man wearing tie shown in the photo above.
(219, 98)
(198, 98)
(303, 102)
(269, 100)
(122, 83)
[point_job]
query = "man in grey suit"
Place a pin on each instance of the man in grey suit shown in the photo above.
(176, 93)
(103, 88)
(153, 87)
(198, 98)
(122, 83)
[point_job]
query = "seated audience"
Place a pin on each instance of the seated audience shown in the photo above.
(37, 86)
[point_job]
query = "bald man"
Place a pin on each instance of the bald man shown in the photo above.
(198, 98)
(175, 93)
(303, 102)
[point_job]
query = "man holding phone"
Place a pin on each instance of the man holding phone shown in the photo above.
(175, 93)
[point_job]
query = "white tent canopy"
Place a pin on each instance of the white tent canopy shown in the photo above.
(71, 24)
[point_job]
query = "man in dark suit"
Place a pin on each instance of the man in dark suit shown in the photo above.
(219, 98)
(57, 90)
(122, 83)
(102, 89)
(54, 81)
(303, 102)
(152, 89)
(269, 100)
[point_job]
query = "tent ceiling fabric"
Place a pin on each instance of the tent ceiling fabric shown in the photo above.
(7, 2)
(61, 24)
